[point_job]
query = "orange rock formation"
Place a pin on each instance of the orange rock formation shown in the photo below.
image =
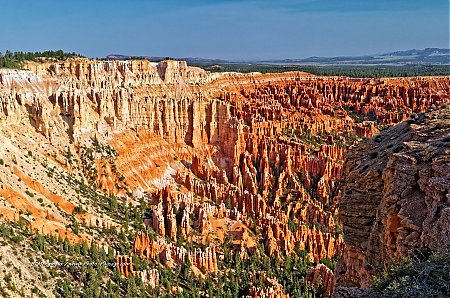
(208, 151)
(322, 276)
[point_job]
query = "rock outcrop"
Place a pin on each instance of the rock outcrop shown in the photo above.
(149, 277)
(272, 289)
(124, 264)
(321, 276)
(203, 260)
(396, 197)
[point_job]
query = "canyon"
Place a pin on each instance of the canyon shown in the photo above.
(226, 166)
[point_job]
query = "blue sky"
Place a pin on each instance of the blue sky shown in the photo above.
(227, 29)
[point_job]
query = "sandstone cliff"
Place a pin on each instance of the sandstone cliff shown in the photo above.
(396, 196)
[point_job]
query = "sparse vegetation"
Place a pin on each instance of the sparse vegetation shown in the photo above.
(424, 275)
(29, 193)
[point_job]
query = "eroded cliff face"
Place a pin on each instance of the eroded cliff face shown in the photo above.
(396, 197)
(250, 161)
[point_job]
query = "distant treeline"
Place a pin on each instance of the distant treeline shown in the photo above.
(348, 71)
(15, 59)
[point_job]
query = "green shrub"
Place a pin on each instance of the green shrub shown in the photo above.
(421, 276)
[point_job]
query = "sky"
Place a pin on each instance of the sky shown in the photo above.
(224, 29)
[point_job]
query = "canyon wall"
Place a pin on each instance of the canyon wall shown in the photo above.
(396, 197)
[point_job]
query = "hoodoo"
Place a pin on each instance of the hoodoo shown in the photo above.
(251, 184)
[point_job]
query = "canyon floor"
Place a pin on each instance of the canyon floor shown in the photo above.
(142, 179)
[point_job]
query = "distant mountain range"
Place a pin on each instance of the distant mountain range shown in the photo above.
(428, 56)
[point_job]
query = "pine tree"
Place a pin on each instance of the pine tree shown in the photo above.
(84, 248)
(131, 287)
(75, 225)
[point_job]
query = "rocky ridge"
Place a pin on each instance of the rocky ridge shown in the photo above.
(396, 197)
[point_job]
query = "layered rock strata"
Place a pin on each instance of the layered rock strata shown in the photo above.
(250, 156)
(396, 197)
